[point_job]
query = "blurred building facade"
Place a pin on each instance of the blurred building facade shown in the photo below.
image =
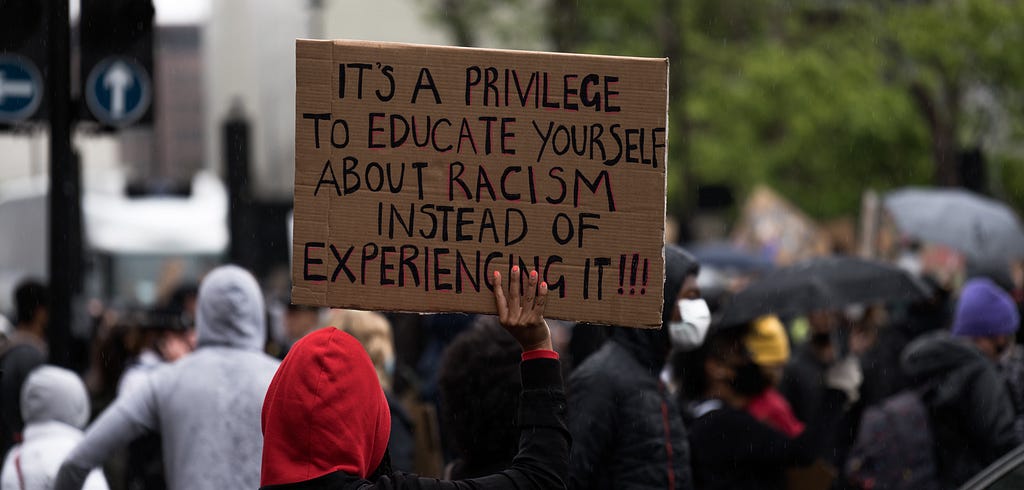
(249, 59)
(210, 55)
(168, 157)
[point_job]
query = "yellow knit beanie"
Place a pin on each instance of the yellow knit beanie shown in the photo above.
(767, 341)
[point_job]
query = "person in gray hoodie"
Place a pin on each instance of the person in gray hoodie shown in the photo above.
(56, 408)
(206, 406)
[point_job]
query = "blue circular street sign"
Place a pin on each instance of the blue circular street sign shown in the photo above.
(118, 91)
(21, 88)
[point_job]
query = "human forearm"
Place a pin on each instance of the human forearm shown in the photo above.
(543, 456)
(112, 430)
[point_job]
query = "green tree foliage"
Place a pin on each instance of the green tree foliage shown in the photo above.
(820, 99)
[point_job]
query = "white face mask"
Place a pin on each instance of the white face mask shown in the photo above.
(689, 333)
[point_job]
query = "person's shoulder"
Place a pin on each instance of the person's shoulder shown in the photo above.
(269, 364)
(22, 353)
(259, 364)
(8, 476)
(715, 415)
(595, 363)
(601, 372)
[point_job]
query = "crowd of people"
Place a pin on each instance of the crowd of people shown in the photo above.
(206, 393)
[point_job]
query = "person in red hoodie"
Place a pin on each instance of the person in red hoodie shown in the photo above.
(768, 346)
(326, 421)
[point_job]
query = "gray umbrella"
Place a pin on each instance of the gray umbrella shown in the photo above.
(985, 230)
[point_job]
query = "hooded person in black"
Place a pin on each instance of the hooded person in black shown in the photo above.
(969, 408)
(626, 428)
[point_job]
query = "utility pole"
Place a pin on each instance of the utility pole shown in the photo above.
(64, 202)
(240, 219)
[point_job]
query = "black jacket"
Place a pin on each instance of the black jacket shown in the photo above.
(17, 360)
(970, 412)
(627, 430)
(803, 383)
(734, 451)
(543, 446)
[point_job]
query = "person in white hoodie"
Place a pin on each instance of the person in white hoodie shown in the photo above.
(56, 408)
(206, 406)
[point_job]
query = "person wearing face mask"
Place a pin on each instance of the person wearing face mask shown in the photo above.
(987, 316)
(627, 431)
(732, 448)
(769, 349)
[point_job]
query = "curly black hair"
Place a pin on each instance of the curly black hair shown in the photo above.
(480, 385)
(688, 367)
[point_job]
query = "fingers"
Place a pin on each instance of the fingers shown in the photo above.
(520, 308)
(513, 291)
(530, 290)
(499, 297)
(542, 299)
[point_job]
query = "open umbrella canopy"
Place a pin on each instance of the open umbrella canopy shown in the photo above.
(822, 283)
(726, 256)
(985, 230)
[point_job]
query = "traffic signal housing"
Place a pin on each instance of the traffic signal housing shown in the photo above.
(23, 40)
(117, 46)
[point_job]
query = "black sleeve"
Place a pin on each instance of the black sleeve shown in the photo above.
(17, 364)
(593, 425)
(543, 458)
(793, 388)
(987, 411)
(715, 437)
(819, 436)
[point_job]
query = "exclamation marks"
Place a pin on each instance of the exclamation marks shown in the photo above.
(643, 287)
(622, 271)
(633, 270)
(632, 274)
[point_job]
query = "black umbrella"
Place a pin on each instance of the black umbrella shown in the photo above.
(821, 284)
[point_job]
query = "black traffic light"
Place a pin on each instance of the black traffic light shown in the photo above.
(23, 61)
(117, 61)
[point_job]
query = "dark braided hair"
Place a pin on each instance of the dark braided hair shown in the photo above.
(480, 385)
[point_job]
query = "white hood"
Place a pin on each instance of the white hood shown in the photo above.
(51, 393)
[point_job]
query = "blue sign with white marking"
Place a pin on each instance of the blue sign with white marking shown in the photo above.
(21, 88)
(118, 91)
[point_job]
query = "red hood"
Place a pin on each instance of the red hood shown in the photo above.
(325, 411)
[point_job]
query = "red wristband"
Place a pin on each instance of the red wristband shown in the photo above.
(540, 354)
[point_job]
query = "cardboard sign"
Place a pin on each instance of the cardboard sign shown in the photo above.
(420, 170)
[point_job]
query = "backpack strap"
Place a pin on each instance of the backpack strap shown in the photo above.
(17, 469)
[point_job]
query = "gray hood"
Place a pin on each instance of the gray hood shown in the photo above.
(230, 310)
(51, 393)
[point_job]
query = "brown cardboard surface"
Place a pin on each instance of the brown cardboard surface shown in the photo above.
(500, 166)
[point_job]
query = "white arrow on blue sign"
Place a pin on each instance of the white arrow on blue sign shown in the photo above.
(21, 88)
(118, 91)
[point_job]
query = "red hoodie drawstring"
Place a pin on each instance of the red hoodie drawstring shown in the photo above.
(668, 437)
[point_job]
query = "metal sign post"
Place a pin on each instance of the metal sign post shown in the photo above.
(64, 188)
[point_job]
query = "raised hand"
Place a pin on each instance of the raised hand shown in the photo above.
(523, 317)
